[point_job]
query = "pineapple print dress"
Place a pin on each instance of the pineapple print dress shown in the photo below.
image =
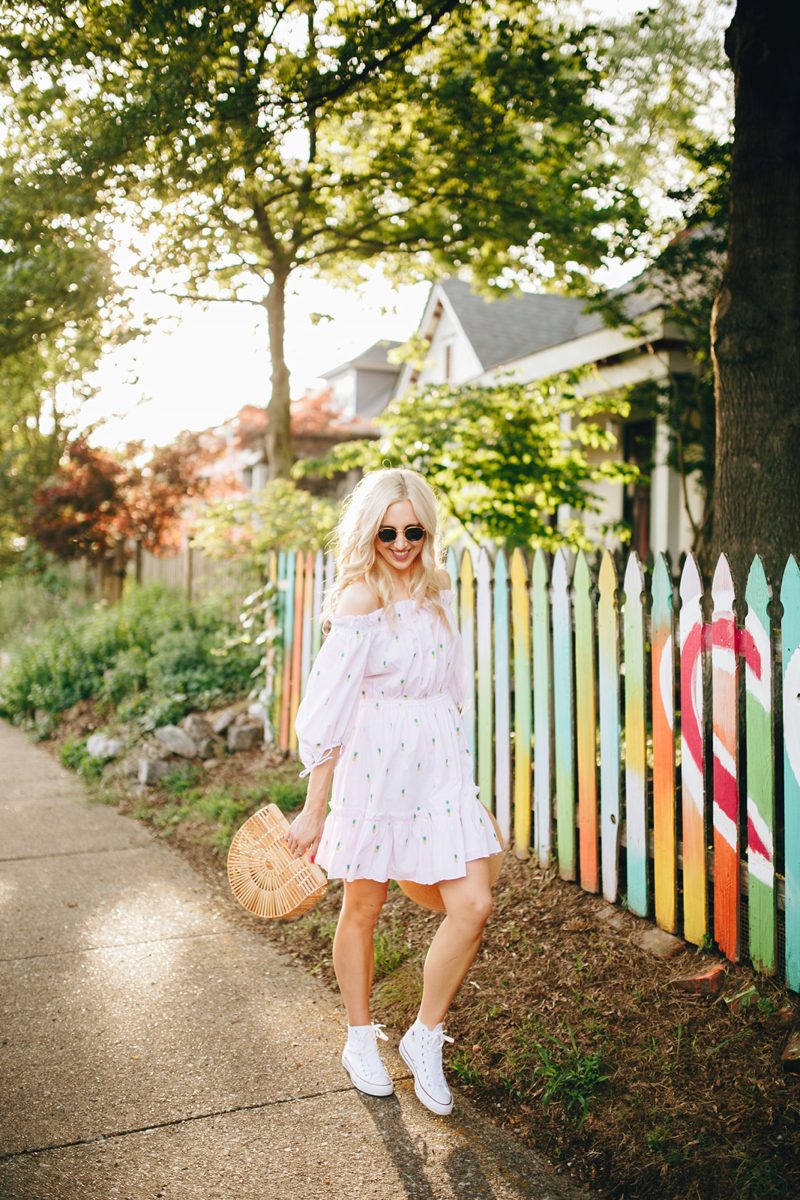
(388, 690)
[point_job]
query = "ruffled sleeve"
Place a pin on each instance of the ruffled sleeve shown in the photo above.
(458, 682)
(326, 716)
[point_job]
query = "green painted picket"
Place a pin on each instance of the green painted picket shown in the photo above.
(559, 667)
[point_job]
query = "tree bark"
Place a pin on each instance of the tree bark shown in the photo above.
(278, 437)
(755, 330)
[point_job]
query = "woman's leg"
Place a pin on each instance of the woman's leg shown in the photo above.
(353, 950)
(468, 903)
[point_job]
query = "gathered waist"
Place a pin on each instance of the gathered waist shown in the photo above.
(404, 701)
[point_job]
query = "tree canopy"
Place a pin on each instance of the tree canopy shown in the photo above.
(252, 140)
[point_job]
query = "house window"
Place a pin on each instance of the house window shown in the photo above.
(448, 362)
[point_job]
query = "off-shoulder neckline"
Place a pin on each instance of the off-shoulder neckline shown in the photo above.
(376, 615)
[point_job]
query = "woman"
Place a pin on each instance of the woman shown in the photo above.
(381, 717)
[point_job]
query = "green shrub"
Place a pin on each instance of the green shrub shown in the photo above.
(73, 754)
(152, 655)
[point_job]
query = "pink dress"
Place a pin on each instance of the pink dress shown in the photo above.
(404, 802)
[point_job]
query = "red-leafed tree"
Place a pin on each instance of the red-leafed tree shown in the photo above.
(99, 504)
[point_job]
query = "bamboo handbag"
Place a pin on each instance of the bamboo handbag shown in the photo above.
(264, 875)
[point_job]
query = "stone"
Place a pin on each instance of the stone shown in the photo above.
(226, 716)
(613, 917)
(245, 737)
(197, 727)
(102, 745)
(660, 943)
(206, 746)
(177, 741)
(153, 770)
(790, 1059)
(707, 983)
(211, 764)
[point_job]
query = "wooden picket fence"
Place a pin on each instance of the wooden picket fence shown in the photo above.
(651, 753)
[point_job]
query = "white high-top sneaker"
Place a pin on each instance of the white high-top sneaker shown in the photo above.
(421, 1051)
(361, 1060)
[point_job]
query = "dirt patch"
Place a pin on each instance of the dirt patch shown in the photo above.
(566, 1030)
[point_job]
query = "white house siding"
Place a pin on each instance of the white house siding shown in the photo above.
(465, 366)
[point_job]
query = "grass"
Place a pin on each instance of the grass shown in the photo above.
(216, 809)
(552, 1068)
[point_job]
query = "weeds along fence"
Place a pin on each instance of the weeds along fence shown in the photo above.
(643, 741)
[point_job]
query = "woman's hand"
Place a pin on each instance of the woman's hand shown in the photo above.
(305, 832)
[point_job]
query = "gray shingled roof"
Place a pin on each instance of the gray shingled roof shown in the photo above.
(506, 328)
(376, 355)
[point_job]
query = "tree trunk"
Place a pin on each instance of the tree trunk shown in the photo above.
(755, 329)
(278, 438)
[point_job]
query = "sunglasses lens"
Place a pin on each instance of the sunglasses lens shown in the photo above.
(413, 533)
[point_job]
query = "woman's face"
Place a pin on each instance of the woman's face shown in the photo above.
(400, 553)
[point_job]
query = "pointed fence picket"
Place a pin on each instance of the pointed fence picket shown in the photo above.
(521, 638)
(560, 697)
(502, 696)
(790, 653)
(467, 625)
(608, 697)
(762, 908)
(586, 722)
(693, 789)
(564, 719)
(637, 855)
(483, 602)
(542, 710)
(665, 838)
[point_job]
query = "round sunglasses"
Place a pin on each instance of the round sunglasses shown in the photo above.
(413, 533)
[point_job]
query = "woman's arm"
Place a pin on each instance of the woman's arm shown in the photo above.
(306, 829)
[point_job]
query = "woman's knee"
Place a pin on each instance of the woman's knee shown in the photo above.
(473, 909)
(363, 908)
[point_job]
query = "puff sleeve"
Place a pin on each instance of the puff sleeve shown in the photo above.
(326, 716)
(458, 681)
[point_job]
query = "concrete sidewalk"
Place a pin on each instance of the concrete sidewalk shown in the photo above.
(153, 1045)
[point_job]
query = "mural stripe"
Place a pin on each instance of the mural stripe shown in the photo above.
(725, 705)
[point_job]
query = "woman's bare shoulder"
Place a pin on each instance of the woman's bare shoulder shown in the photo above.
(357, 600)
(443, 580)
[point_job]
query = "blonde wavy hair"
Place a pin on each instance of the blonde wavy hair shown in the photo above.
(353, 540)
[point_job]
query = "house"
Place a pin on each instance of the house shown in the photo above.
(529, 336)
(363, 386)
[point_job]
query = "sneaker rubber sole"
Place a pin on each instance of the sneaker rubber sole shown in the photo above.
(365, 1085)
(436, 1106)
